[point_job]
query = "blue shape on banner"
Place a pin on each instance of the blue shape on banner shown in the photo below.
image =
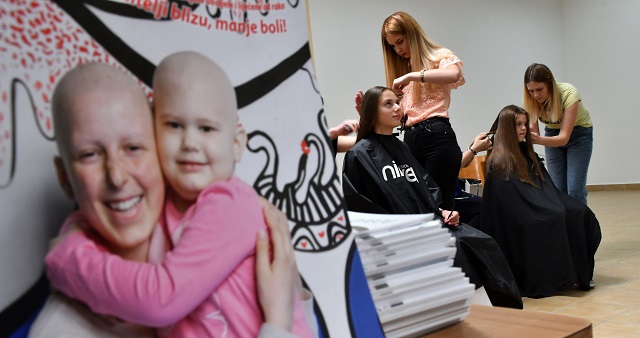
(362, 311)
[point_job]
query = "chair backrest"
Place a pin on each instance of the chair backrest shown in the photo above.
(475, 169)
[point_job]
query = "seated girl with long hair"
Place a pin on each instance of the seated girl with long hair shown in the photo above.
(548, 237)
(380, 175)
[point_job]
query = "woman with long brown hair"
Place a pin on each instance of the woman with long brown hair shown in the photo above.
(548, 237)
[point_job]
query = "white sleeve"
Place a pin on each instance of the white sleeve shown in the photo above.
(271, 331)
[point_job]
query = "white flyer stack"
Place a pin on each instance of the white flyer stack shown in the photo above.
(408, 261)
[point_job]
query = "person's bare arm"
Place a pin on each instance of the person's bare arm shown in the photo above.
(345, 143)
(345, 128)
(568, 120)
(480, 143)
(450, 74)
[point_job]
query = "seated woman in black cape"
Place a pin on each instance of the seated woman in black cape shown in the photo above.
(548, 237)
(380, 175)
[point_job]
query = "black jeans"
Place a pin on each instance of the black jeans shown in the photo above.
(433, 143)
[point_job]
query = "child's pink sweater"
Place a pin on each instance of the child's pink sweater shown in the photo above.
(205, 285)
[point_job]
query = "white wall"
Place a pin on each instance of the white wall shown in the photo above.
(601, 45)
(584, 42)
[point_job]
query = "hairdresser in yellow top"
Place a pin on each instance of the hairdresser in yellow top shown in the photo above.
(568, 132)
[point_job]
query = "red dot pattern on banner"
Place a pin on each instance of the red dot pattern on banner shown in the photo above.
(40, 43)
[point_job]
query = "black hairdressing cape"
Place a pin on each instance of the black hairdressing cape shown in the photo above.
(548, 237)
(380, 175)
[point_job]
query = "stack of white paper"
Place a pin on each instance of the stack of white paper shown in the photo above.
(408, 261)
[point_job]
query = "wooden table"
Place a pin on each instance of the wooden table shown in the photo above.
(497, 322)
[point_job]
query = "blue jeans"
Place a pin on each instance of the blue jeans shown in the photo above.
(433, 143)
(568, 165)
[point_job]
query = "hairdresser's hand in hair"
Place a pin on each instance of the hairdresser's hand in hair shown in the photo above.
(451, 217)
(401, 82)
(358, 99)
(535, 138)
(481, 143)
(345, 128)
(278, 279)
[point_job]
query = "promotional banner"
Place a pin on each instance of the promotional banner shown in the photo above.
(262, 45)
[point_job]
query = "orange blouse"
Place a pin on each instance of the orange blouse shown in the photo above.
(436, 100)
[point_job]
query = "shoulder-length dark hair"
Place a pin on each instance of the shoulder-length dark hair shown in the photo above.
(369, 110)
(506, 157)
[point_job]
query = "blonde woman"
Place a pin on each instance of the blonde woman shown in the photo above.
(568, 134)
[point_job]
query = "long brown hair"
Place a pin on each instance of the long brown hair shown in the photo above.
(505, 158)
(369, 110)
(551, 109)
(421, 48)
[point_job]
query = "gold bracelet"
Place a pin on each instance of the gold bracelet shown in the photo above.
(422, 75)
